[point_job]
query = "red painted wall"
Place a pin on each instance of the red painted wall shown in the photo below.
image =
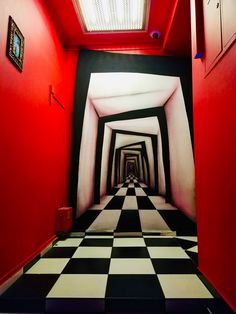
(215, 155)
(35, 136)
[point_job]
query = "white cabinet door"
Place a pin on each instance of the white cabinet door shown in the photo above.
(212, 30)
(228, 20)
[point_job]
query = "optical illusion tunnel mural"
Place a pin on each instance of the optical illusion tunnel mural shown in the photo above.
(132, 157)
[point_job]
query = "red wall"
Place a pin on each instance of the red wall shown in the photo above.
(215, 156)
(35, 136)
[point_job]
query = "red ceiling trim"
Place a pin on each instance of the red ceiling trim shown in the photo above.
(170, 23)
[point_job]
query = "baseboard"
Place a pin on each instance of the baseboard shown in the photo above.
(9, 278)
(222, 295)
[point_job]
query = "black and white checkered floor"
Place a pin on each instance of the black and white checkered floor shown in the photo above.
(133, 207)
(116, 273)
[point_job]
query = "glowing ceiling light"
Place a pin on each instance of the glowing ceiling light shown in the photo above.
(134, 12)
(112, 15)
(105, 10)
(120, 10)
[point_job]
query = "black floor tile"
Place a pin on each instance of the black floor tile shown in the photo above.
(125, 185)
(144, 203)
(115, 203)
(129, 221)
(129, 252)
(134, 286)
(186, 244)
(174, 266)
(130, 191)
(161, 242)
(97, 242)
(87, 266)
(99, 233)
(220, 307)
(28, 293)
(135, 306)
(176, 220)
(60, 252)
(150, 192)
(187, 306)
(193, 256)
(84, 221)
(113, 191)
(137, 185)
(75, 306)
(134, 293)
(31, 286)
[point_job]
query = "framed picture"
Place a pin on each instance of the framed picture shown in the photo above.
(15, 44)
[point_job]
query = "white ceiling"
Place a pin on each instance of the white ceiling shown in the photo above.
(133, 152)
(113, 93)
(135, 146)
(143, 125)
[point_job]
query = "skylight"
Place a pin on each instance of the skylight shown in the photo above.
(112, 15)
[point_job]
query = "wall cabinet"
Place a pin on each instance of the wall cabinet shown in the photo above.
(228, 13)
(219, 18)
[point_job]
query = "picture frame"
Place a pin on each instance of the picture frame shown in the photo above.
(15, 45)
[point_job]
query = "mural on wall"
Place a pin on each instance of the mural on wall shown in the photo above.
(131, 136)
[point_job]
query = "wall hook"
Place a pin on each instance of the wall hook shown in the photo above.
(53, 97)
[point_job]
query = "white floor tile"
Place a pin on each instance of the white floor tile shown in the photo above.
(193, 249)
(165, 206)
(99, 237)
(106, 199)
(131, 185)
(131, 266)
(119, 185)
(130, 202)
(48, 266)
(140, 192)
(151, 220)
(79, 286)
(106, 221)
(143, 185)
(69, 242)
(122, 192)
(167, 252)
(157, 237)
(157, 200)
(183, 286)
(92, 252)
(126, 242)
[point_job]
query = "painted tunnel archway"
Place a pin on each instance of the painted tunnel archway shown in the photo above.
(132, 117)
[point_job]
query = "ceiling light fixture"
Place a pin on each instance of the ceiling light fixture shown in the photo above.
(112, 15)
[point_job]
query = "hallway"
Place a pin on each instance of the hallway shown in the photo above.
(132, 207)
(133, 253)
(132, 132)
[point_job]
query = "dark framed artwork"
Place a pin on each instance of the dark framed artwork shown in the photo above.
(15, 44)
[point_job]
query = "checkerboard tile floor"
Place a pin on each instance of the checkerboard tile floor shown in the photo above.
(133, 207)
(132, 253)
(106, 274)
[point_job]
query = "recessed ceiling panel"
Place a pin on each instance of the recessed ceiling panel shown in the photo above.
(112, 15)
